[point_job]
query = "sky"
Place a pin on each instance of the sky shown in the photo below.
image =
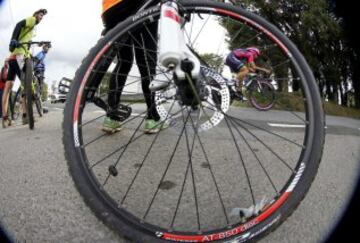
(73, 27)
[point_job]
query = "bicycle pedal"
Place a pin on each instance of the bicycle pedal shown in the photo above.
(121, 114)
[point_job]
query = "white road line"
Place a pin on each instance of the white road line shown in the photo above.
(59, 109)
(286, 125)
(289, 125)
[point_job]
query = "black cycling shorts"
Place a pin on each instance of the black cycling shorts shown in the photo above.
(119, 12)
(234, 64)
(14, 70)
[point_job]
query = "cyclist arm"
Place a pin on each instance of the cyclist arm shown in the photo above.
(17, 30)
(39, 58)
(253, 68)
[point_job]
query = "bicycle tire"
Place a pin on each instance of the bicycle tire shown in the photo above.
(267, 95)
(29, 92)
(117, 216)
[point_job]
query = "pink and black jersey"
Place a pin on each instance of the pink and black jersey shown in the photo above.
(238, 58)
(243, 54)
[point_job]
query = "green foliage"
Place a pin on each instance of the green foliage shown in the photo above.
(214, 61)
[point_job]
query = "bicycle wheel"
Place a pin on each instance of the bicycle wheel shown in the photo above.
(219, 172)
(37, 98)
(262, 95)
(29, 92)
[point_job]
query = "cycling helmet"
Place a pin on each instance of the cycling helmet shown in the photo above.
(42, 10)
(254, 50)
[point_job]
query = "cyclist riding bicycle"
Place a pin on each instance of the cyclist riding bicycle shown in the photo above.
(23, 32)
(114, 12)
(242, 62)
(39, 64)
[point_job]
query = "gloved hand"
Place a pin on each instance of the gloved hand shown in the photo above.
(14, 44)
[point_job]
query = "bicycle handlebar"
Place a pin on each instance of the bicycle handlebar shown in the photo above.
(39, 43)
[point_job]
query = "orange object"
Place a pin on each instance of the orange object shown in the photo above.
(107, 4)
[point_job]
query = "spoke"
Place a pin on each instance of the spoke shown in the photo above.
(195, 93)
(192, 172)
(180, 196)
(201, 29)
(211, 171)
(241, 159)
(237, 33)
(189, 35)
(166, 169)
(265, 145)
(92, 120)
(263, 129)
(257, 158)
(244, 44)
(104, 134)
(123, 151)
(299, 117)
(185, 176)
(117, 150)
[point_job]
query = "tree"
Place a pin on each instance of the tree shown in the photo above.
(214, 61)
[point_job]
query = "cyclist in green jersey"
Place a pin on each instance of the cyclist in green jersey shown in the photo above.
(23, 32)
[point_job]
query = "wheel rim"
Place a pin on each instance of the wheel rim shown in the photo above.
(262, 95)
(117, 198)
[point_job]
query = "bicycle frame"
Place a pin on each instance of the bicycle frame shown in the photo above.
(173, 51)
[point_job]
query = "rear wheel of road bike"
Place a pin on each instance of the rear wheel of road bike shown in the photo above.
(219, 172)
(262, 95)
(29, 92)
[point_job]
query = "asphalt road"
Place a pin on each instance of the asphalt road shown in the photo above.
(39, 203)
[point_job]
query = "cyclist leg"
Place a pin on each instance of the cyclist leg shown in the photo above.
(1, 92)
(14, 71)
(118, 77)
(117, 82)
(240, 77)
(146, 61)
(40, 77)
(146, 58)
(6, 121)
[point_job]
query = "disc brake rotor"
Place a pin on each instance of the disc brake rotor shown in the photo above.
(215, 102)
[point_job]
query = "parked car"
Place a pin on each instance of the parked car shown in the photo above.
(56, 97)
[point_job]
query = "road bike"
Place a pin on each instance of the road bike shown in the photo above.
(30, 87)
(16, 101)
(217, 172)
(261, 92)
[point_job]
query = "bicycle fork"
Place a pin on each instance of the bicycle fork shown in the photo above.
(175, 55)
